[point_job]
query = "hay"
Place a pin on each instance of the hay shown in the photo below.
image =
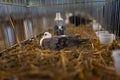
(91, 61)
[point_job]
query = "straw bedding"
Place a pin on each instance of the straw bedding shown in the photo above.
(89, 61)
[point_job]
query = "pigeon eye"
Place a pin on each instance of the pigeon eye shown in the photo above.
(45, 34)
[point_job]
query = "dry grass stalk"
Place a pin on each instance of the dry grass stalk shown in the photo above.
(87, 61)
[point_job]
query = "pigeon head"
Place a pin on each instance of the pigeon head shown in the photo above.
(47, 35)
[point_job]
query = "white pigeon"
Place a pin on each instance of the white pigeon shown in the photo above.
(46, 35)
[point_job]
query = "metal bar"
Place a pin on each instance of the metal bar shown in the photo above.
(13, 4)
(53, 4)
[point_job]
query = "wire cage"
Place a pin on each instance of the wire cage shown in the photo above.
(35, 15)
(23, 22)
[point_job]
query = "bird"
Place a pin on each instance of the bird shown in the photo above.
(59, 28)
(46, 35)
(78, 20)
(67, 17)
(59, 42)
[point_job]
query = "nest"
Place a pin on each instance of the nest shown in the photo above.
(89, 61)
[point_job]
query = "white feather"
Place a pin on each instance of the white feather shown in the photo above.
(60, 27)
(46, 35)
(67, 17)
